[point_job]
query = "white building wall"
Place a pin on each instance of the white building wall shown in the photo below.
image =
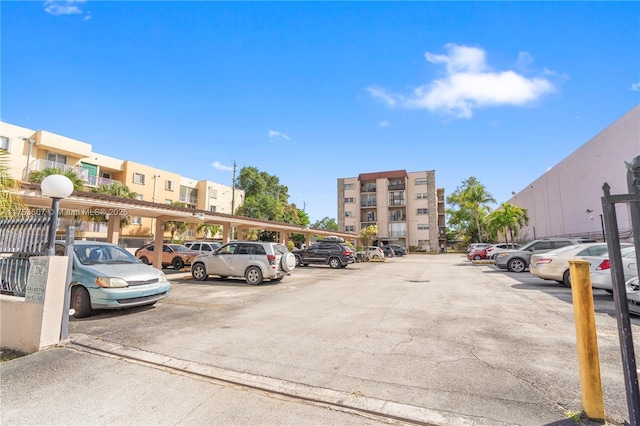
(566, 200)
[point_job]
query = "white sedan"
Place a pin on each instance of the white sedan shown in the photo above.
(554, 265)
(601, 275)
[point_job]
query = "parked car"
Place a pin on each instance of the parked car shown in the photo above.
(554, 265)
(388, 251)
(106, 276)
(495, 249)
(375, 252)
(601, 275)
(336, 254)
(477, 246)
(202, 246)
(478, 254)
(633, 295)
(518, 260)
(253, 260)
(175, 255)
(398, 249)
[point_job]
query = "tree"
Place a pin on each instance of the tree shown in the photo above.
(509, 218)
(11, 204)
(176, 227)
(366, 235)
(116, 189)
(265, 198)
(326, 223)
(38, 175)
(472, 201)
(208, 228)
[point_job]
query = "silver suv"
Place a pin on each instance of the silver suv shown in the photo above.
(519, 260)
(203, 246)
(253, 260)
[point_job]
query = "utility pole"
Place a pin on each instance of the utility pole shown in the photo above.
(233, 189)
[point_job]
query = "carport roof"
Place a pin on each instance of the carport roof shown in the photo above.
(82, 202)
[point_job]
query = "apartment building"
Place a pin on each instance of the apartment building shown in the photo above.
(407, 207)
(33, 150)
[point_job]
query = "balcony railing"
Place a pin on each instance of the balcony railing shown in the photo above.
(396, 202)
(397, 218)
(397, 187)
(365, 224)
(188, 199)
(368, 203)
(97, 181)
(402, 233)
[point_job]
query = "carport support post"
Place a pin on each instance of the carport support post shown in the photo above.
(587, 342)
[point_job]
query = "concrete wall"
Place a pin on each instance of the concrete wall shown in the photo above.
(33, 322)
(566, 200)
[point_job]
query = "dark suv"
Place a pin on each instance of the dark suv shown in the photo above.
(333, 253)
(519, 260)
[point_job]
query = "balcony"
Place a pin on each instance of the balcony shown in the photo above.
(98, 181)
(365, 224)
(368, 188)
(368, 203)
(39, 165)
(397, 218)
(188, 199)
(396, 202)
(396, 187)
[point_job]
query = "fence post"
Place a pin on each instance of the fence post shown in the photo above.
(586, 339)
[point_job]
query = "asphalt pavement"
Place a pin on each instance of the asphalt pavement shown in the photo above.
(416, 340)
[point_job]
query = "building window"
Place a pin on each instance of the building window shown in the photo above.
(422, 211)
(349, 186)
(138, 178)
(396, 198)
(138, 196)
(213, 193)
(348, 200)
(371, 216)
(350, 228)
(421, 181)
(136, 220)
(422, 195)
(423, 226)
(397, 229)
(4, 143)
(56, 158)
(212, 208)
(168, 185)
(167, 201)
(348, 214)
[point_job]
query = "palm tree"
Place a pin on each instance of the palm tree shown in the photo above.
(509, 218)
(475, 197)
(208, 228)
(175, 227)
(37, 176)
(11, 205)
(116, 189)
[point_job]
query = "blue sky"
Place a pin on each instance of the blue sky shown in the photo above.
(314, 91)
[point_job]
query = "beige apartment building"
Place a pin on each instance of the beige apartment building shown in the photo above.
(407, 207)
(33, 150)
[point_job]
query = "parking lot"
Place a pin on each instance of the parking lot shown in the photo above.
(430, 332)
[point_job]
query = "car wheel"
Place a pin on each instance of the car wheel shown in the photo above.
(144, 260)
(177, 263)
(566, 278)
(477, 257)
(80, 301)
(288, 262)
(298, 261)
(334, 263)
(517, 265)
(199, 272)
(253, 275)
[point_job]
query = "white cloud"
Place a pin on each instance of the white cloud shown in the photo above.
(276, 134)
(218, 166)
(63, 7)
(469, 84)
(635, 86)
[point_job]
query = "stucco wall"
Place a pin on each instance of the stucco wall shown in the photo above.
(566, 200)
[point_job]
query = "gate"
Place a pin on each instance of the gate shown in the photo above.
(20, 239)
(619, 286)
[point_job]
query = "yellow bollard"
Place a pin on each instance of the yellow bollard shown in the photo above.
(587, 342)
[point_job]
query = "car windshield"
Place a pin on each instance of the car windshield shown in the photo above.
(92, 254)
(625, 252)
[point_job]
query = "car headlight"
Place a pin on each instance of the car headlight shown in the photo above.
(111, 282)
(162, 278)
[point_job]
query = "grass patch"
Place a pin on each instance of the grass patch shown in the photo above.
(7, 354)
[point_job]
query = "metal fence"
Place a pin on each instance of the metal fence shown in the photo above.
(20, 239)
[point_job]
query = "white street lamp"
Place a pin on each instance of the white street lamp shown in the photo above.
(55, 187)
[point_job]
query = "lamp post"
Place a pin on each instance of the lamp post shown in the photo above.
(55, 187)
